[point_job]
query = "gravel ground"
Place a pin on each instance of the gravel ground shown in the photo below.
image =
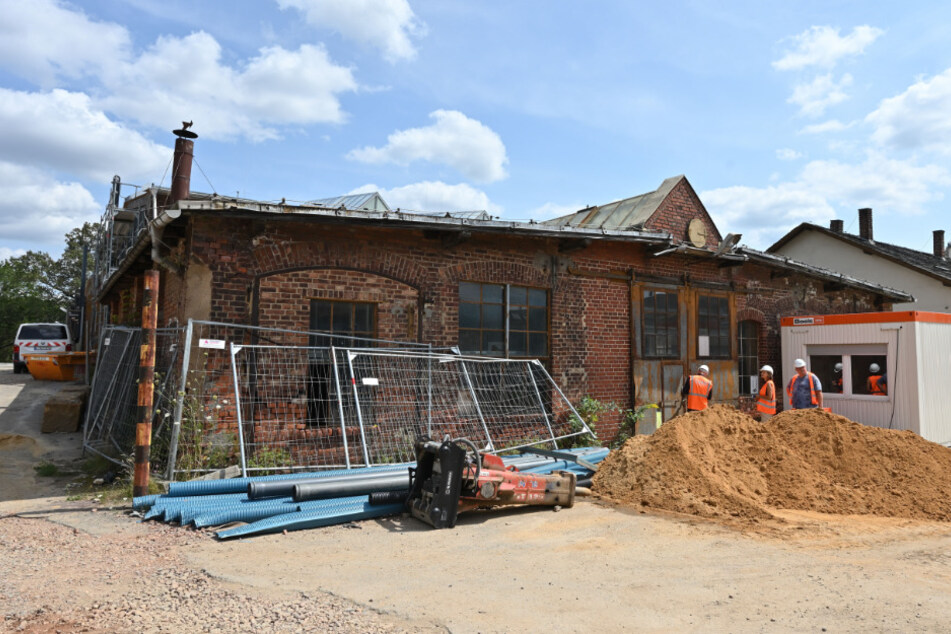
(60, 579)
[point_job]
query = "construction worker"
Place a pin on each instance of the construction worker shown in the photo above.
(698, 390)
(876, 382)
(837, 379)
(766, 401)
(804, 389)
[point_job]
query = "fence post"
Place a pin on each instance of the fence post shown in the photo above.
(143, 430)
(179, 404)
(475, 401)
(237, 408)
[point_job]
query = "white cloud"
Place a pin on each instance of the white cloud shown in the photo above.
(832, 125)
(916, 119)
(434, 196)
(7, 253)
(42, 39)
(387, 25)
(813, 98)
(822, 46)
(465, 144)
(788, 154)
(765, 214)
(183, 79)
(879, 181)
(61, 130)
(39, 210)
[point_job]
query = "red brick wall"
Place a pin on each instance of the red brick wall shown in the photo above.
(676, 212)
(284, 299)
(414, 279)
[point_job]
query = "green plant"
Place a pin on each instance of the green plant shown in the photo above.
(629, 424)
(268, 460)
(590, 411)
(46, 469)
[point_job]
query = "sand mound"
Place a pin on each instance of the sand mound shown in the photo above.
(722, 464)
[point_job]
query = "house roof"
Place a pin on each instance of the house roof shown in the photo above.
(827, 275)
(920, 261)
(371, 201)
(449, 224)
(624, 215)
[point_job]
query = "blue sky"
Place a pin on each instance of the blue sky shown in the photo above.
(777, 113)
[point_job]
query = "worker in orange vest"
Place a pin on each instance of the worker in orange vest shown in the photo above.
(837, 379)
(804, 389)
(698, 390)
(876, 382)
(766, 400)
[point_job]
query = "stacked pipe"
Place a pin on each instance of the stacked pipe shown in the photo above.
(268, 504)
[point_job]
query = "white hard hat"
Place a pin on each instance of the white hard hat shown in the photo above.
(799, 363)
(704, 369)
(838, 367)
(874, 368)
(766, 368)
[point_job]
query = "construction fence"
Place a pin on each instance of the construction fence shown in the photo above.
(280, 400)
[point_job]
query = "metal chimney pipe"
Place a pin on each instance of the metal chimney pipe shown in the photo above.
(865, 223)
(182, 163)
(939, 243)
(837, 225)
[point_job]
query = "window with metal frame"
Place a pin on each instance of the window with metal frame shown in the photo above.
(661, 324)
(748, 340)
(713, 327)
(503, 320)
(348, 319)
(345, 319)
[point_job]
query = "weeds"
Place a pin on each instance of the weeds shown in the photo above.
(46, 470)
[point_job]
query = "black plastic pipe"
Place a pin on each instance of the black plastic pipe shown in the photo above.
(284, 488)
(324, 490)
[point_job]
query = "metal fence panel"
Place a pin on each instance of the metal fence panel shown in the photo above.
(311, 407)
(109, 428)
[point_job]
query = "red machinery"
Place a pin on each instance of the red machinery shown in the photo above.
(453, 476)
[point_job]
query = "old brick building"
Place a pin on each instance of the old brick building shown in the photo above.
(620, 301)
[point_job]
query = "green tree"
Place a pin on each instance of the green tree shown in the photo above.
(36, 287)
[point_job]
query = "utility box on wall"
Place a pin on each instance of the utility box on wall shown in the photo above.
(908, 353)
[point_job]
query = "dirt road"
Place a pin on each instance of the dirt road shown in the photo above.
(590, 568)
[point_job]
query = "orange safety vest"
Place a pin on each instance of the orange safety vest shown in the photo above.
(875, 385)
(699, 392)
(763, 404)
(812, 388)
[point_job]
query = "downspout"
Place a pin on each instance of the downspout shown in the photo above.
(156, 229)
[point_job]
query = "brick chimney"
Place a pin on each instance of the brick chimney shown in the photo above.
(837, 226)
(939, 243)
(182, 163)
(865, 223)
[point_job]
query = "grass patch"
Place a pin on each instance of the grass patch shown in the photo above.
(46, 470)
(118, 489)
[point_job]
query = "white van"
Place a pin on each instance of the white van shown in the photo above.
(46, 338)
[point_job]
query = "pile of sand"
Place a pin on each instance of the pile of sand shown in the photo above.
(722, 464)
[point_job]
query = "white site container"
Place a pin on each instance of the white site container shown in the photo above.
(914, 348)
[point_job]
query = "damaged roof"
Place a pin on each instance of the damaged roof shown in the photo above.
(579, 236)
(621, 215)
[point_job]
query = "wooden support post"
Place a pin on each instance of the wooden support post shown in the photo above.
(143, 429)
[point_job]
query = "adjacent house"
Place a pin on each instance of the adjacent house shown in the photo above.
(620, 301)
(926, 276)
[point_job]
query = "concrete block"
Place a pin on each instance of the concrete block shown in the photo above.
(64, 411)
